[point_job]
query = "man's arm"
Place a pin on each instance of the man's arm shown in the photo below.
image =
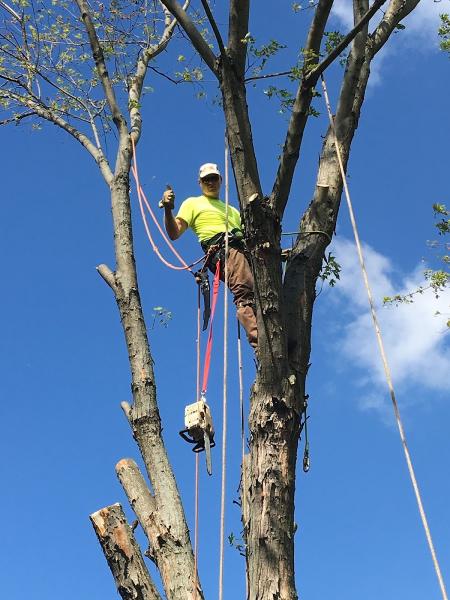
(174, 225)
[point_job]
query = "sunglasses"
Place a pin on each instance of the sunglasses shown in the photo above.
(210, 179)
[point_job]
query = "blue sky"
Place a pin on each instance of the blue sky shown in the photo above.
(65, 370)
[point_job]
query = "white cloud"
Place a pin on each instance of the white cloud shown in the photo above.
(423, 21)
(416, 340)
(420, 34)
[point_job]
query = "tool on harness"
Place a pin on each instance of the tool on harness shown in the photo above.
(202, 279)
(306, 463)
(199, 429)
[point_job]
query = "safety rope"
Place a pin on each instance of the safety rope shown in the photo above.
(197, 456)
(225, 374)
(382, 352)
(208, 350)
(243, 470)
(144, 202)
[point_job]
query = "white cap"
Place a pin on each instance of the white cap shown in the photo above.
(208, 169)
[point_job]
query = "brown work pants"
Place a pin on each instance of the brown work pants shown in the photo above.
(241, 285)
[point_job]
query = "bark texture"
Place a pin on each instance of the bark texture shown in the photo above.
(123, 554)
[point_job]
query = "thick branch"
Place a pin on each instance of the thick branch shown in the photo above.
(300, 110)
(100, 64)
(192, 32)
(123, 554)
(395, 12)
(238, 29)
(306, 258)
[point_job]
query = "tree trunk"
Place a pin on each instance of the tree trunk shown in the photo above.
(276, 405)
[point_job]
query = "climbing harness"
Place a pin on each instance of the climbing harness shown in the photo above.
(382, 350)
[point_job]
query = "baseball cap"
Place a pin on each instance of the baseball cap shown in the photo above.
(208, 169)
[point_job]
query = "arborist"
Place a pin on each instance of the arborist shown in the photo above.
(206, 216)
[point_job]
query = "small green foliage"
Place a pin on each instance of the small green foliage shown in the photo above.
(285, 96)
(161, 315)
(437, 279)
(331, 270)
(190, 75)
(400, 27)
(444, 33)
(261, 54)
(332, 40)
(444, 224)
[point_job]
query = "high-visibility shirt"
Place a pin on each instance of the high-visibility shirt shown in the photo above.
(206, 216)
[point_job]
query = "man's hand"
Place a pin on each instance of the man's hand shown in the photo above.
(168, 199)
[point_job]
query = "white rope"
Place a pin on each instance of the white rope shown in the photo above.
(244, 472)
(383, 353)
(225, 373)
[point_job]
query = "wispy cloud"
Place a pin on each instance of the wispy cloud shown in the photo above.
(423, 22)
(420, 33)
(416, 341)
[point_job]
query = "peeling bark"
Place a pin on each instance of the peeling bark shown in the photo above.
(123, 554)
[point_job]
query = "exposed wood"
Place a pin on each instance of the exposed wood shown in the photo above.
(162, 542)
(123, 554)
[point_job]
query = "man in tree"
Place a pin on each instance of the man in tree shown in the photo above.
(206, 216)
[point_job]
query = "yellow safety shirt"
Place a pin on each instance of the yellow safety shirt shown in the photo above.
(206, 216)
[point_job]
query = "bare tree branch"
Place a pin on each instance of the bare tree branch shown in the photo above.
(100, 63)
(17, 118)
(193, 33)
(300, 111)
(105, 272)
(269, 75)
(214, 27)
(46, 113)
(138, 80)
(123, 554)
(11, 11)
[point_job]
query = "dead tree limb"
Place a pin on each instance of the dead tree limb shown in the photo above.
(123, 554)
